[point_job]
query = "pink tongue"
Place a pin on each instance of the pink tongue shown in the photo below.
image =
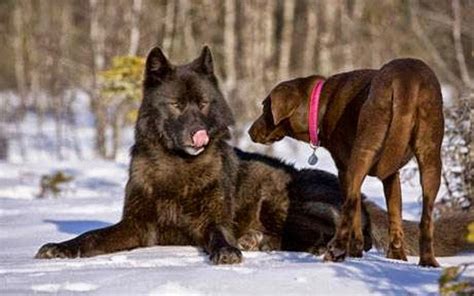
(200, 139)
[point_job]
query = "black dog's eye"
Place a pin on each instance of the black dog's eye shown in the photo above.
(203, 104)
(176, 105)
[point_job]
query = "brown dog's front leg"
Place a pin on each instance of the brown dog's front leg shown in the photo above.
(338, 246)
(351, 220)
(221, 246)
(356, 244)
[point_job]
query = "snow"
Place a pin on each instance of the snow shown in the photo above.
(94, 199)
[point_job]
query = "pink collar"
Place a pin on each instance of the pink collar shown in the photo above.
(314, 113)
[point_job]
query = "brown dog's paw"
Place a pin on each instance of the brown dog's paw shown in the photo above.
(396, 253)
(226, 255)
(356, 253)
(428, 262)
(356, 248)
(53, 250)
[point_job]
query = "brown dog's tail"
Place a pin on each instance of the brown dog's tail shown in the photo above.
(402, 123)
(450, 232)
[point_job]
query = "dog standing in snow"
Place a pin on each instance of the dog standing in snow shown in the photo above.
(372, 122)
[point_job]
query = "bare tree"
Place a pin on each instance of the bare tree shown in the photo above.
(185, 24)
(135, 26)
(97, 37)
(468, 94)
(457, 171)
(269, 42)
(327, 22)
(169, 23)
(313, 31)
(20, 72)
(229, 45)
(285, 43)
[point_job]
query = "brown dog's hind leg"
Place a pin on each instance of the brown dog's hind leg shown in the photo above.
(427, 149)
(429, 161)
(430, 181)
(393, 197)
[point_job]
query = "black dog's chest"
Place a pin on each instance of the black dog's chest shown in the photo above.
(181, 221)
(183, 204)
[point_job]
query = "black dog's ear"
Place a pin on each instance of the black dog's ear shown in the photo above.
(157, 65)
(204, 63)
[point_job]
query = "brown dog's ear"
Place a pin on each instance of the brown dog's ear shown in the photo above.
(283, 104)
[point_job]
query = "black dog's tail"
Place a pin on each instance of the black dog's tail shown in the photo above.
(450, 232)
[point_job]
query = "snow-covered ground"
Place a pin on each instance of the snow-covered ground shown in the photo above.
(94, 199)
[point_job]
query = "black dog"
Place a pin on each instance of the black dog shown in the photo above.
(299, 210)
(182, 173)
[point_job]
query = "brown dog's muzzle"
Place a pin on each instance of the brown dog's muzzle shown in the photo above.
(258, 131)
(263, 132)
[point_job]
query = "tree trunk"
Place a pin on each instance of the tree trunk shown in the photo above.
(286, 39)
(116, 135)
(169, 27)
(97, 37)
(18, 46)
(229, 46)
(184, 25)
(3, 145)
(311, 38)
(465, 76)
(135, 27)
(470, 143)
(117, 126)
(327, 20)
(348, 32)
(20, 73)
(468, 93)
(269, 43)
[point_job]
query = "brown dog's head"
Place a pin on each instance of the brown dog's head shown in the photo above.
(285, 112)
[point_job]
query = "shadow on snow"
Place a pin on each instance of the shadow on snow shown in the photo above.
(77, 226)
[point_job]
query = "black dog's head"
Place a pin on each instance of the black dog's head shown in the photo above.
(183, 109)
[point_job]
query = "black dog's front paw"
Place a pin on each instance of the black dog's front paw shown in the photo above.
(53, 250)
(226, 255)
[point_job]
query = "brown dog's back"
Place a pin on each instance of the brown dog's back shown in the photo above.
(415, 95)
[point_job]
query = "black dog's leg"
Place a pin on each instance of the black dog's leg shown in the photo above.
(118, 237)
(222, 248)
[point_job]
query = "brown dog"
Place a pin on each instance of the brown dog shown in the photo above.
(372, 122)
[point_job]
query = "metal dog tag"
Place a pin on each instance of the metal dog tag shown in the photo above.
(313, 159)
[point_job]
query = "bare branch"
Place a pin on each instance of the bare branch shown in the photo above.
(458, 44)
(435, 54)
